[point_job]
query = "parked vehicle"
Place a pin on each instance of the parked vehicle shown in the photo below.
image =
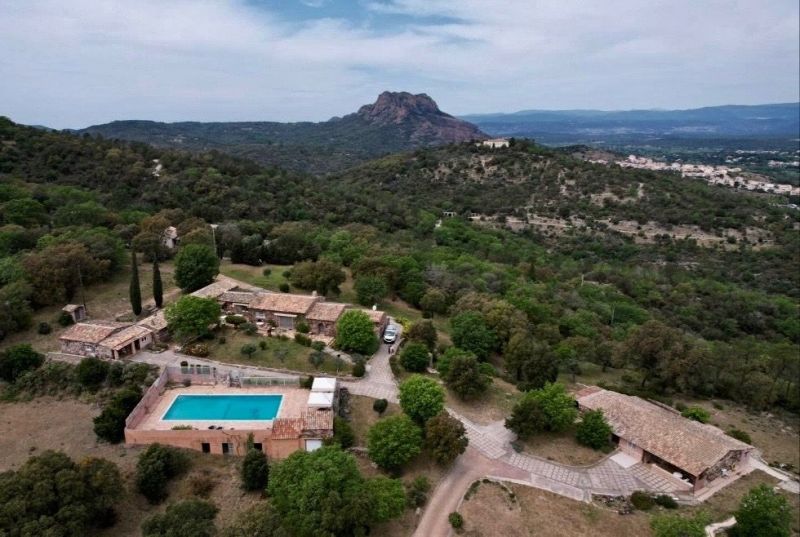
(390, 334)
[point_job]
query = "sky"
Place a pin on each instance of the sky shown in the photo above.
(74, 63)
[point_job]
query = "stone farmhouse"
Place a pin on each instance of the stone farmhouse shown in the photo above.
(105, 339)
(693, 452)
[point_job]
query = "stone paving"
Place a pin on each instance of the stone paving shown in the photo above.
(379, 382)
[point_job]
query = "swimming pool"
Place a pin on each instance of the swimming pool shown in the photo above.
(224, 407)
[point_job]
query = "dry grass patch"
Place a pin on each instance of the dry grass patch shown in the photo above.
(362, 417)
(562, 448)
(495, 405)
(490, 512)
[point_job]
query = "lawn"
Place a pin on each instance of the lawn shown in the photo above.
(281, 354)
(255, 275)
(106, 300)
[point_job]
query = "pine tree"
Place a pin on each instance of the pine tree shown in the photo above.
(158, 289)
(135, 291)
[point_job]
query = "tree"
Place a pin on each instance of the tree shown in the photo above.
(343, 433)
(394, 441)
(110, 424)
(414, 357)
(464, 377)
(421, 398)
(323, 493)
(388, 497)
(135, 290)
(651, 347)
(196, 266)
(187, 518)
(433, 301)
(424, 332)
(249, 349)
(531, 363)
(763, 513)
(550, 408)
(370, 289)
(696, 413)
(158, 287)
(191, 316)
(24, 212)
(16, 313)
(52, 495)
(593, 430)
(18, 359)
(255, 470)
(323, 276)
(91, 372)
(680, 526)
(445, 438)
(356, 333)
(156, 466)
(471, 333)
(57, 271)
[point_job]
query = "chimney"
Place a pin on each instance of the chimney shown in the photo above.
(374, 307)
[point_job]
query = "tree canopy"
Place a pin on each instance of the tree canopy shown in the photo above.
(421, 398)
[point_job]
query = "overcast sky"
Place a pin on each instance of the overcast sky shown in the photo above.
(73, 63)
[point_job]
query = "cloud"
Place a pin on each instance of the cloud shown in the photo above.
(87, 61)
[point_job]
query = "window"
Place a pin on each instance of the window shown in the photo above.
(205, 447)
(258, 446)
(226, 448)
(313, 445)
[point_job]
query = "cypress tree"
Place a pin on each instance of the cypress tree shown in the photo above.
(135, 291)
(158, 289)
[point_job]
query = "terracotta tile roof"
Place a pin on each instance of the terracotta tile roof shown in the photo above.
(221, 285)
(325, 311)
(375, 316)
(92, 331)
(237, 297)
(286, 428)
(689, 445)
(317, 420)
(284, 303)
(155, 322)
(125, 336)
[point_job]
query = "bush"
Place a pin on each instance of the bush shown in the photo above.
(284, 287)
(445, 438)
(593, 430)
(666, 501)
(740, 435)
(255, 470)
(197, 349)
(697, 414)
(414, 357)
(262, 344)
(380, 405)
(679, 406)
(763, 513)
(318, 345)
(356, 333)
(642, 500)
(155, 467)
(303, 340)
(249, 328)
(548, 409)
(487, 369)
(188, 517)
(65, 319)
(394, 441)
(343, 433)
(417, 492)
(91, 372)
(421, 398)
(18, 359)
(359, 369)
(235, 320)
(302, 327)
(201, 485)
(456, 520)
(267, 271)
(248, 349)
(465, 378)
(44, 328)
(316, 359)
(110, 424)
(424, 332)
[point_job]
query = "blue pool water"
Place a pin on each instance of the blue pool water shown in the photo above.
(224, 407)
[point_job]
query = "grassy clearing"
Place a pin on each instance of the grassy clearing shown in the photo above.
(362, 417)
(281, 354)
(495, 405)
(255, 275)
(106, 300)
(562, 448)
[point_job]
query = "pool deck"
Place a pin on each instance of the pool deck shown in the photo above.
(293, 404)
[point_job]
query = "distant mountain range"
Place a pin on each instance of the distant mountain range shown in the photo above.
(397, 121)
(587, 126)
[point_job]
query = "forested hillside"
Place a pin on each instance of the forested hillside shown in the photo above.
(672, 314)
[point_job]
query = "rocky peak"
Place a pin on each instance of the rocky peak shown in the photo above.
(396, 107)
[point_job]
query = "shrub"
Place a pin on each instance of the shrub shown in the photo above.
(355, 333)
(44, 328)
(678, 526)
(201, 485)
(740, 435)
(359, 369)
(343, 433)
(302, 327)
(424, 332)
(666, 501)
(235, 320)
(380, 405)
(697, 414)
(487, 369)
(318, 345)
(65, 319)
(255, 470)
(155, 467)
(456, 520)
(284, 287)
(417, 492)
(18, 359)
(548, 409)
(197, 349)
(593, 430)
(394, 441)
(642, 500)
(267, 271)
(91, 372)
(316, 359)
(249, 328)
(302, 340)
(763, 513)
(110, 424)
(679, 406)
(414, 357)
(262, 344)
(248, 349)
(188, 517)
(286, 273)
(307, 382)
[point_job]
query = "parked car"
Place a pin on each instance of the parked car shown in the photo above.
(390, 334)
